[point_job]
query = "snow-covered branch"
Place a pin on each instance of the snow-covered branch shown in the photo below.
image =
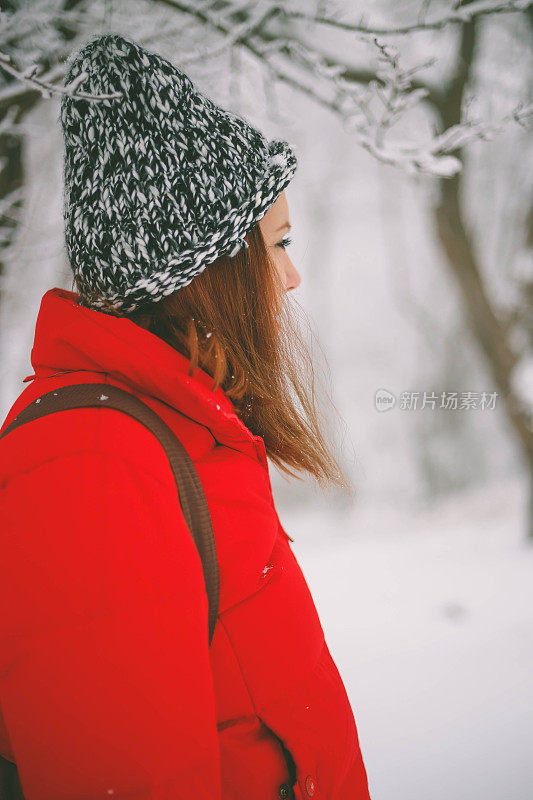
(458, 15)
(239, 34)
(396, 97)
(371, 110)
(43, 83)
(370, 103)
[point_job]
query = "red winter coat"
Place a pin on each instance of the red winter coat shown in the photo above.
(108, 687)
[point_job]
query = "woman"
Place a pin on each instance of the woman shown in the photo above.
(176, 229)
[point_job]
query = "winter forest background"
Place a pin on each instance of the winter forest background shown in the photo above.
(412, 215)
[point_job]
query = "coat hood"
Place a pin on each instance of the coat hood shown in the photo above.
(70, 337)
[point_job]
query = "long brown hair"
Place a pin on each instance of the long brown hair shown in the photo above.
(235, 321)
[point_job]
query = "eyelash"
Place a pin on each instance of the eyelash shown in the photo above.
(285, 242)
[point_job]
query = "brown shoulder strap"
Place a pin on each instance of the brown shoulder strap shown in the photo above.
(190, 491)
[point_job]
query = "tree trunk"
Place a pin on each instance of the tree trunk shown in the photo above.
(489, 331)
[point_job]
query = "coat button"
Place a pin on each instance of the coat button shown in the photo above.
(284, 791)
(310, 786)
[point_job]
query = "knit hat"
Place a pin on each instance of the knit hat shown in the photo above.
(160, 182)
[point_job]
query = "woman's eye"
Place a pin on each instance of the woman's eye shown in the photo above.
(285, 242)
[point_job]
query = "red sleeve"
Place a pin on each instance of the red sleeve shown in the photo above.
(105, 680)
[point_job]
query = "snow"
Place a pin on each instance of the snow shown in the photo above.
(429, 617)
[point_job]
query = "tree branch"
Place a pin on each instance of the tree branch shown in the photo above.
(45, 87)
(457, 16)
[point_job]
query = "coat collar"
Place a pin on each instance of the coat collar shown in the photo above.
(71, 337)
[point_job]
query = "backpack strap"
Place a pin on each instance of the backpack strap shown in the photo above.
(190, 492)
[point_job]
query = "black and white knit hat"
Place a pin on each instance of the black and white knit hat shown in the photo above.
(160, 182)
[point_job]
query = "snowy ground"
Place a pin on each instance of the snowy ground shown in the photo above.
(430, 621)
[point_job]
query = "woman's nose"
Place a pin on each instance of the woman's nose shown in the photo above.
(292, 277)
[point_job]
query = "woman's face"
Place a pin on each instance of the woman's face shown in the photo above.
(275, 227)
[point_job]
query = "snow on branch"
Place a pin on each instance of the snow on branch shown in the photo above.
(44, 85)
(370, 102)
(395, 97)
(371, 110)
(454, 16)
(234, 35)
